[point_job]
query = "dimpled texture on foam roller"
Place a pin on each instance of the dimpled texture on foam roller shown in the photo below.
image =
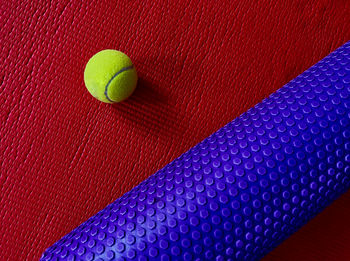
(243, 190)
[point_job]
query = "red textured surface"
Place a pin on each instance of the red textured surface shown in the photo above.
(64, 156)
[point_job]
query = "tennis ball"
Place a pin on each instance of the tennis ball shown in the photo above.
(110, 76)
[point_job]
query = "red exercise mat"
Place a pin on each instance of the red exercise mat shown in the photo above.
(60, 148)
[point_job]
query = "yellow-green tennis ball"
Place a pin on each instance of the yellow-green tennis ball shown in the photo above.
(110, 76)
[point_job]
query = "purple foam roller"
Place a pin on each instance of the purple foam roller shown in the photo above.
(243, 190)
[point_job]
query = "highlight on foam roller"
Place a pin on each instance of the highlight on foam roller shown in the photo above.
(243, 190)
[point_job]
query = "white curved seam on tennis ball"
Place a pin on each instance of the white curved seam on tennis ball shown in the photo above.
(115, 75)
